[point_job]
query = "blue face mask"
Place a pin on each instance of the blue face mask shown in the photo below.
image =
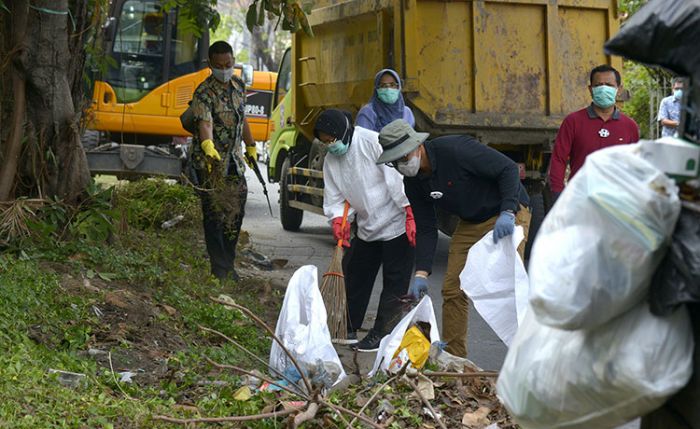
(388, 95)
(678, 94)
(604, 96)
(338, 148)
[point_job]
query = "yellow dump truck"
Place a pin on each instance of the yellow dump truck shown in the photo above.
(505, 71)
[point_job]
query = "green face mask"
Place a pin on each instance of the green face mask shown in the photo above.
(604, 96)
(388, 95)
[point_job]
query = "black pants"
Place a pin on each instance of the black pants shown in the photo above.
(360, 266)
(220, 233)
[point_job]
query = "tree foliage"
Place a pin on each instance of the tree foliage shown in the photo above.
(291, 13)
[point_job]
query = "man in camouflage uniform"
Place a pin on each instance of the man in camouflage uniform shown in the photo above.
(218, 106)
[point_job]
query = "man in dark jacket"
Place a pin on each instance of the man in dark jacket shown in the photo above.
(465, 178)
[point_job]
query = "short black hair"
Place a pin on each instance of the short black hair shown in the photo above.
(220, 47)
(603, 68)
(678, 79)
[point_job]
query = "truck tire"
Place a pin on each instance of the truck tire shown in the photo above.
(291, 218)
(537, 216)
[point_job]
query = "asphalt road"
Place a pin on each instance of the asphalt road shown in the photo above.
(313, 244)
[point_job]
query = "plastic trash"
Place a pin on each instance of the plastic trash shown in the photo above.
(598, 247)
(302, 328)
(677, 280)
(172, 222)
(494, 278)
(422, 312)
(662, 32)
(599, 378)
(416, 348)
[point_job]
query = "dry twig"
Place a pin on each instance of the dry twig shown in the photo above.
(263, 378)
(305, 415)
(248, 352)
(250, 314)
(109, 357)
(371, 398)
(274, 414)
(350, 412)
(426, 402)
(461, 374)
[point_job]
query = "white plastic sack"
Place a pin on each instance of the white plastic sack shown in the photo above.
(598, 247)
(601, 378)
(423, 312)
(302, 325)
(494, 278)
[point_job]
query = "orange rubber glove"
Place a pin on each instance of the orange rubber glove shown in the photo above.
(340, 233)
(410, 227)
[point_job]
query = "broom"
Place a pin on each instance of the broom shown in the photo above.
(333, 290)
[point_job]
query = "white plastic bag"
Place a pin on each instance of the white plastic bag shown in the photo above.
(601, 378)
(423, 312)
(494, 278)
(598, 247)
(302, 326)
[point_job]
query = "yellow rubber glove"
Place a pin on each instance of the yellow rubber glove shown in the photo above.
(252, 155)
(210, 150)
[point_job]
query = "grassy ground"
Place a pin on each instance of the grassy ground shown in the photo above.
(106, 291)
(133, 303)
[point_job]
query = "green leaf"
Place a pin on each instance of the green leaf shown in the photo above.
(108, 277)
(90, 274)
(261, 14)
(251, 17)
(2, 6)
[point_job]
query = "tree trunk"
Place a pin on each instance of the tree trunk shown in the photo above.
(52, 162)
(262, 43)
(13, 146)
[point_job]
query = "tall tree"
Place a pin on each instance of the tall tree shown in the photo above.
(42, 155)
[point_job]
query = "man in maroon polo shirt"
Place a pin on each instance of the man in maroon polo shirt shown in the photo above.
(599, 125)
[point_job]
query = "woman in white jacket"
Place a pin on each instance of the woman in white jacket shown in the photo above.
(386, 230)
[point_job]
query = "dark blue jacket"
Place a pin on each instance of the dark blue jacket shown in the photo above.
(469, 180)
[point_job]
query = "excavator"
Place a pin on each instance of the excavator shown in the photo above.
(156, 62)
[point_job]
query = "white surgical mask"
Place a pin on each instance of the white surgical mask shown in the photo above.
(222, 75)
(409, 168)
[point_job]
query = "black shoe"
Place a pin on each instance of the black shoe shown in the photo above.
(224, 276)
(351, 338)
(370, 343)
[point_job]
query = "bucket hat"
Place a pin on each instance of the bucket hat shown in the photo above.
(398, 139)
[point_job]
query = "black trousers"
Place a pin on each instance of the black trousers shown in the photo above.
(360, 266)
(221, 233)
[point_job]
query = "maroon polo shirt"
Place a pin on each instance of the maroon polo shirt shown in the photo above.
(584, 132)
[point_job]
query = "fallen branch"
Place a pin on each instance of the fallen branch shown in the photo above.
(371, 398)
(461, 374)
(225, 419)
(250, 314)
(306, 415)
(248, 352)
(263, 378)
(426, 402)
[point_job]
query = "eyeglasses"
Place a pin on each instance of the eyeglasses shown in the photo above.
(395, 163)
(393, 85)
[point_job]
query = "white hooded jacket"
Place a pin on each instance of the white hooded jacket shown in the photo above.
(375, 192)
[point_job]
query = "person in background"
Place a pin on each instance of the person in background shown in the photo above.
(218, 105)
(670, 110)
(595, 127)
(386, 230)
(462, 177)
(386, 104)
